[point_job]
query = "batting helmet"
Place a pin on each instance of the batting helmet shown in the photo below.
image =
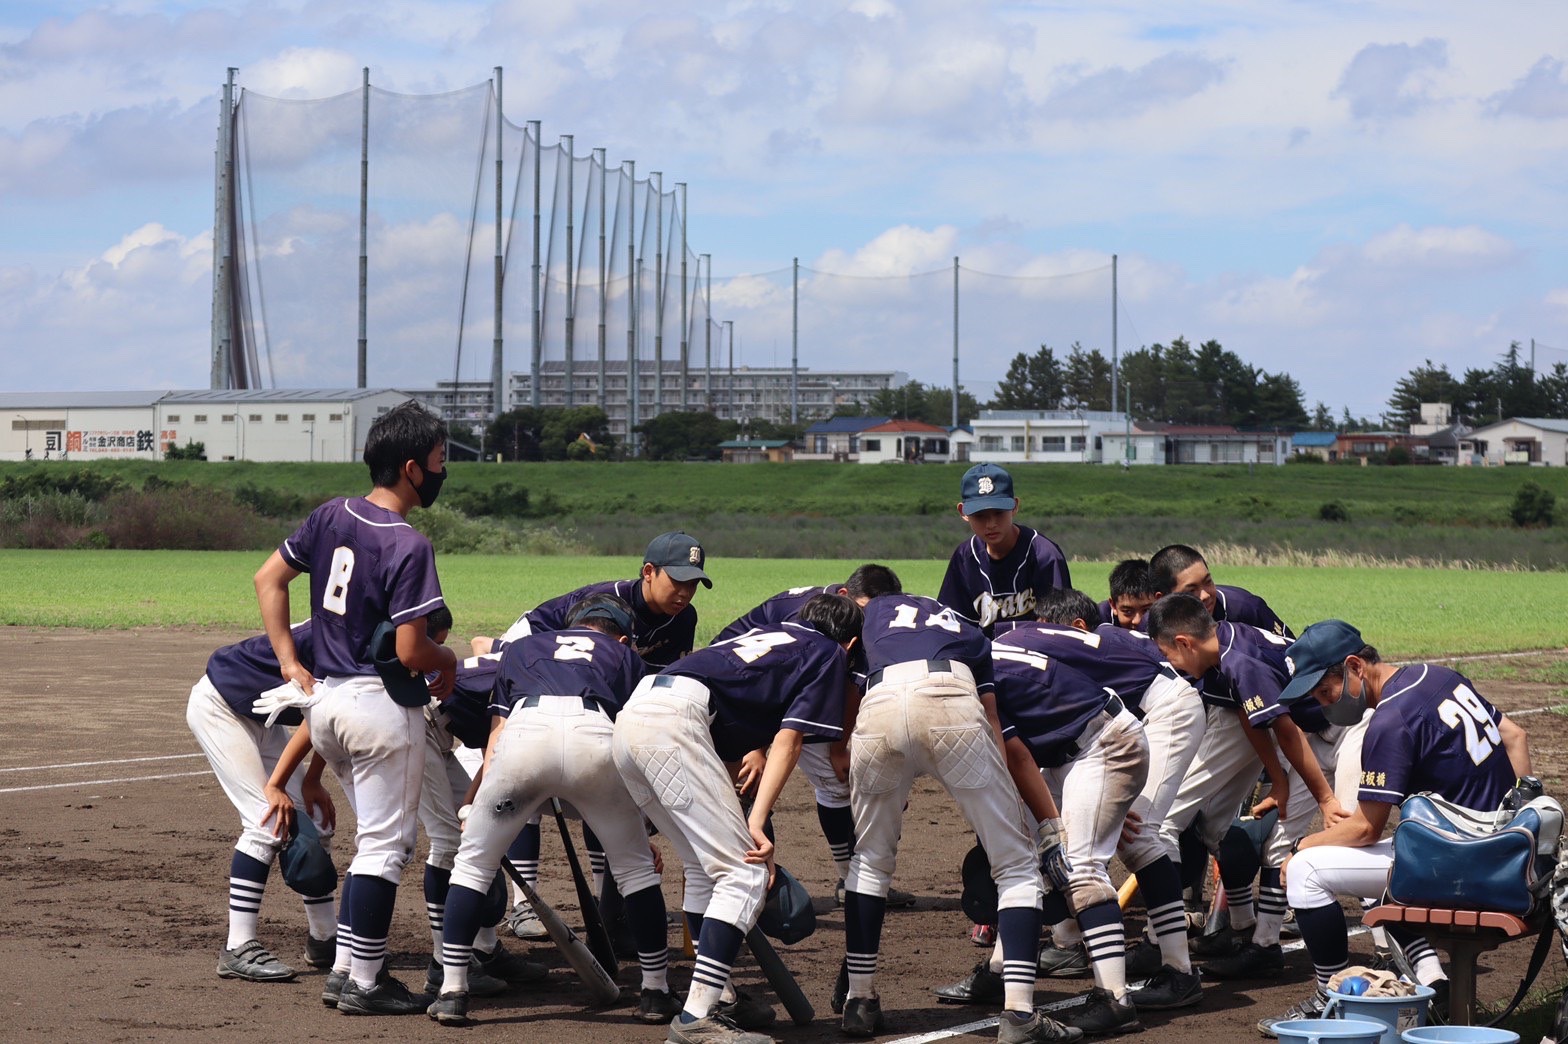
(788, 915)
(979, 898)
(306, 866)
(406, 687)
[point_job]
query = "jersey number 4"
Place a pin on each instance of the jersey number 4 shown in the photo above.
(1481, 732)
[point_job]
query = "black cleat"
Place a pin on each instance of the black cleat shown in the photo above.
(1169, 988)
(980, 986)
(862, 1017)
(449, 1009)
(1250, 961)
(387, 997)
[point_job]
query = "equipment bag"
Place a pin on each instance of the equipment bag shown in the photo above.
(1449, 856)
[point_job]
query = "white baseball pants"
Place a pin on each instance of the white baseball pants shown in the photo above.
(1094, 792)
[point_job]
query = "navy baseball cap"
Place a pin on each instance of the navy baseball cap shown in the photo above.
(987, 488)
(679, 555)
(1323, 645)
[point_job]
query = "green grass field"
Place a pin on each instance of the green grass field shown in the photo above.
(1405, 612)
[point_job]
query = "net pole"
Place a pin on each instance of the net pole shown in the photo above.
(537, 130)
(658, 291)
(680, 195)
(707, 332)
(1114, 374)
(364, 224)
(599, 159)
(794, 344)
(631, 304)
(729, 337)
(955, 342)
(497, 343)
(571, 307)
(223, 243)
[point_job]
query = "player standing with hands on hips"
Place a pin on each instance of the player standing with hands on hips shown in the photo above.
(367, 567)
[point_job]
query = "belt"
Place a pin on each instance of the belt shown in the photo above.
(591, 703)
(931, 667)
(685, 687)
(1069, 751)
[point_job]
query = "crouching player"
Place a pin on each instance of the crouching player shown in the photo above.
(929, 709)
(554, 701)
(243, 750)
(671, 740)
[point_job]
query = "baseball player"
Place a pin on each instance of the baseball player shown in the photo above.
(1237, 666)
(671, 741)
(1432, 733)
(243, 750)
(660, 598)
(1132, 592)
(1129, 664)
(930, 709)
(1094, 759)
(995, 577)
(464, 718)
(1179, 569)
(817, 759)
(555, 699)
(367, 566)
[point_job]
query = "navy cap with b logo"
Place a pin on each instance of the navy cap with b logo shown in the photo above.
(679, 555)
(987, 488)
(1323, 645)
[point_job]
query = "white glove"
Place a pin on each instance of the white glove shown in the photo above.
(1050, 844)
(276, 700)
(1048, 834)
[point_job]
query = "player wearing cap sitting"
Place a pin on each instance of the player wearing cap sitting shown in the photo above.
(1431, 732)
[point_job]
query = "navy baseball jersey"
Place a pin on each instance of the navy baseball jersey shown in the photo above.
(243, 671)
(789, 677)
(999, 595)
(576, 662)
(366, 565)
(1238, 605)
(1040, 699)
(1431, 731)
(1110, 657)
(1250, 675)
(900, 628)
(660, 639)
(782, 606)
(466, 714)
(1106, 616)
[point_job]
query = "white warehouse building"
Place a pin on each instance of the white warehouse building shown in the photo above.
(301, 424)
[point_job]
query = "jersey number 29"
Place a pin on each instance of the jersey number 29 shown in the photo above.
(1466, 709)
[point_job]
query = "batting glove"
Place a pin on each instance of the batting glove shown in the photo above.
(1050, 843)
(275, 701)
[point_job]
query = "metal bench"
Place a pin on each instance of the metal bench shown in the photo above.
(1465, 934)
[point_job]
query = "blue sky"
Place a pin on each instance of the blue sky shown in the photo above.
(1339, 190)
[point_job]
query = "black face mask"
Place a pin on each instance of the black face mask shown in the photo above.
(430, 489)
(1348, 709)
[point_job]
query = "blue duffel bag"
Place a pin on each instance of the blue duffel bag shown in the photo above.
(1449, 856)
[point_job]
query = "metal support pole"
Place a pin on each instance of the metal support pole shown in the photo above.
(707, 331)
(571, 271)
(729, 337)
(497, 361)
(1114, 361)
(658, 291)
(364, 225)
(955, 342)
(537, 348)
(631, 303)
(604, 177)
(794, 343)
(223, 375)
(680, 195)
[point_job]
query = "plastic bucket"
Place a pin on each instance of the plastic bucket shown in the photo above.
(1459, 1035)
(1389, 1011)
(1340, 1031)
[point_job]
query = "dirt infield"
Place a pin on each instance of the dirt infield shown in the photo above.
(116, 854)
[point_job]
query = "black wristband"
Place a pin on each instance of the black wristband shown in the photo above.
(1295, 846)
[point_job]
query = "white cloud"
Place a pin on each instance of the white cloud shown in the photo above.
(1464, 248)
(1119, 93)
(1541, 94)
(1388, 80)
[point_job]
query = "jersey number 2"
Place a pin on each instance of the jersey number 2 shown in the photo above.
(1481, 732)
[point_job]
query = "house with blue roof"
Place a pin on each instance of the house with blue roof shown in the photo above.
(837, 438)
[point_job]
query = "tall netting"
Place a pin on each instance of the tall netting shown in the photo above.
(480, 235)
(299, 165)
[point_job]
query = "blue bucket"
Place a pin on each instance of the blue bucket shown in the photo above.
(1340, 1031)
(1391, 1012)
(1460, 1035)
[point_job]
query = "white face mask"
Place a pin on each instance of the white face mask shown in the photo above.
(1348, 709)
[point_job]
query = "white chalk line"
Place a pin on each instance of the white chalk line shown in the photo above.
(102, 782)
(1061, 1005)
(89, 764)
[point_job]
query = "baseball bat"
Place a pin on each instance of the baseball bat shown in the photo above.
(1128, 889)
(779, 977)
(593, 919)
(601, 984)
